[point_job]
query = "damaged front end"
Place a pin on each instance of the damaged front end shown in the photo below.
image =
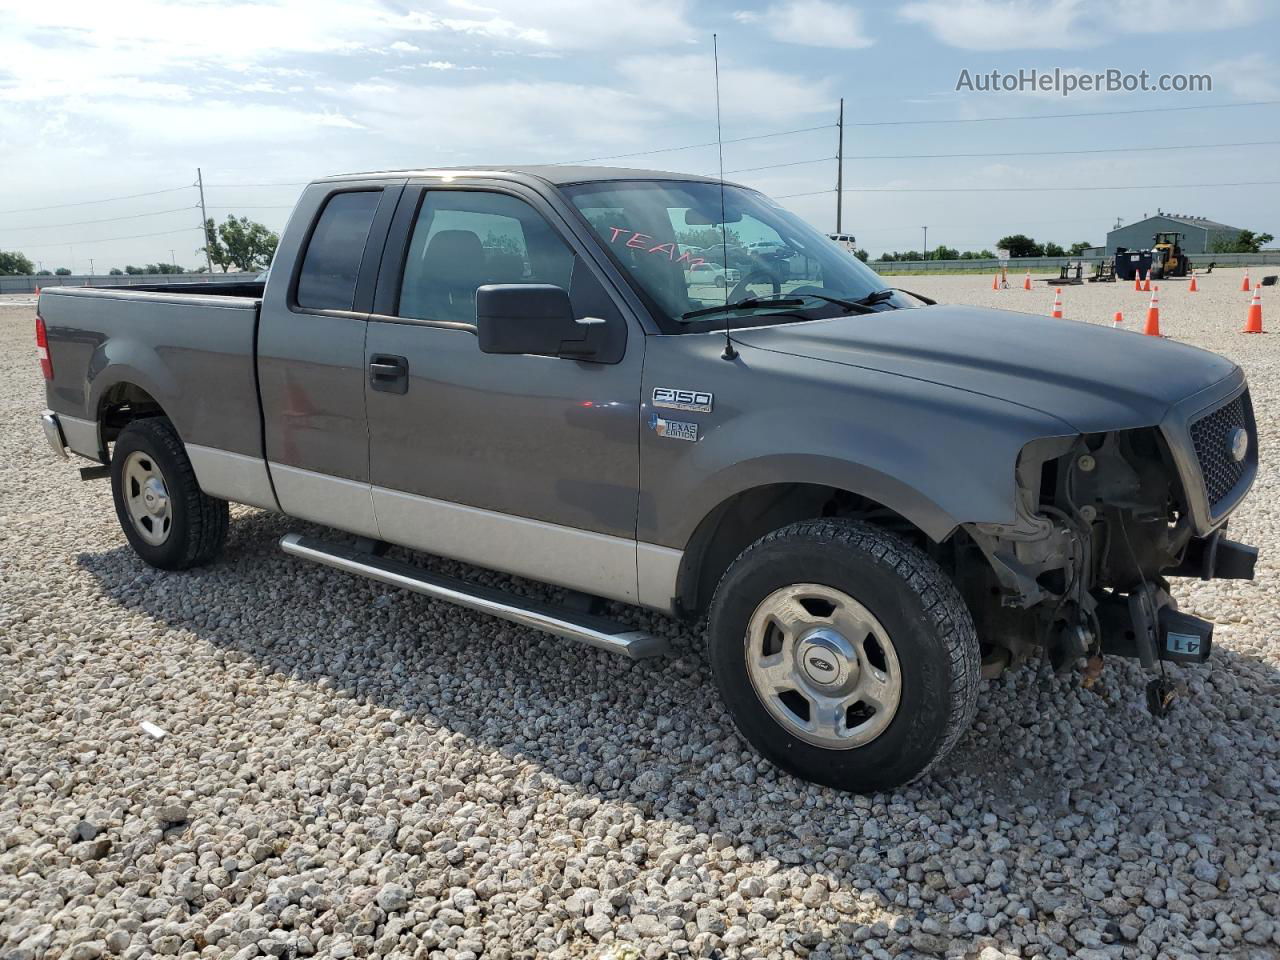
(1102, 522)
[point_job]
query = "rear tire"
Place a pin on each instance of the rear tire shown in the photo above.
(844, 654)
(168, 520)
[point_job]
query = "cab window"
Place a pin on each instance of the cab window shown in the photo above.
(465, 239)
(331, 264)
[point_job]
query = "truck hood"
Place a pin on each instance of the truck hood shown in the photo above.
(1090, 376)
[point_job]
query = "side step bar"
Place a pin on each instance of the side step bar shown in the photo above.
(595, 631)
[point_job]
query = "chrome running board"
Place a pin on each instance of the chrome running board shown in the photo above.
(595, 631)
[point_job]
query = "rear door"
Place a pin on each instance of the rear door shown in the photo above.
(311, 367)
(527, 464)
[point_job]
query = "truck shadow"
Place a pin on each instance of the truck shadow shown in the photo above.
(653, 735)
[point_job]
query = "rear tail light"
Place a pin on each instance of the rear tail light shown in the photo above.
(42, 348)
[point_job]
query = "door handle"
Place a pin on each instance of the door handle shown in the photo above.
(389, 373)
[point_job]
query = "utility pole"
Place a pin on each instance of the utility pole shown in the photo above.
(840, 169)
(926, 242)
(173, 258)
(204, 221)
(91, 266)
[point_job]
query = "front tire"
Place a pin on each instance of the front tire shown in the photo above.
(844, 654)
(168, 520)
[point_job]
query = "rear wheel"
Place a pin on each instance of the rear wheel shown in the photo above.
(845, 655)
(166, 517)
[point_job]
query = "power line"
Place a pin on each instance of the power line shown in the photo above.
(226, 186)
(1134, 186)
(136, 236)
(85, 203)
(691, 146)
(775, 166)
(80, 223)
(896, 123)
(1063, 116)
(248, 206)
(1057, 153)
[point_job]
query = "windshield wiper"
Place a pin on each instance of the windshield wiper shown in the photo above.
(749, 303)
(795, 300)
(928, 302)
(878, 296)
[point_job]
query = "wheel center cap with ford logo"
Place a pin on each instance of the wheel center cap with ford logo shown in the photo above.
(827, 659)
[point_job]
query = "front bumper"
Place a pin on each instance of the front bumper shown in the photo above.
(53, 433)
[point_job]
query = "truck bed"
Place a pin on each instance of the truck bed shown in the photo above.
(190, 347)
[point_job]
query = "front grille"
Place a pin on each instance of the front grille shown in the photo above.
(1211, 435)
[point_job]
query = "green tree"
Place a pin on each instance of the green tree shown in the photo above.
(1246, 241)
(62, 272)
(861, 254)
(249, 245)
(44, 273)
(1020, 245)
(15, 264)
(1051, 249)
(706, 237)
(214, 247)
(115, 272)
(943, 252)
(1079, 247)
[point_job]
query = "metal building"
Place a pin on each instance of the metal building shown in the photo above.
(1199, 234)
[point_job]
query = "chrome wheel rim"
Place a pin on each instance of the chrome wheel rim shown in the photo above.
(823, 666)
(146, 498)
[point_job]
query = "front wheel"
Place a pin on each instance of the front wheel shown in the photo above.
(845, 655)
(168, 520)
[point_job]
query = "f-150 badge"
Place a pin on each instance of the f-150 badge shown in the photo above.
(696, 401)
(675, 429)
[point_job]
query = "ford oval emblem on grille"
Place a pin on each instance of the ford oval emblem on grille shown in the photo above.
(1239, 443)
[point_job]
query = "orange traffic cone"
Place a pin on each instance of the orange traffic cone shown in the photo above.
(1057, 304)
(1026, 283)
(1146, 286)
(1253, 322)
(1153, 315)
(995, 282)
(1137, 280)
(1244, 284)
(1118, 321)
(1193, 288)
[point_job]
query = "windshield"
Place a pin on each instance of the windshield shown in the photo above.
(666, 236)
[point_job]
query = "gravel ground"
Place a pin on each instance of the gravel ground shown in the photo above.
(348, 770)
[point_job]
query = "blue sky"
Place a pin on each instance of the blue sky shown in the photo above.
(95, 105)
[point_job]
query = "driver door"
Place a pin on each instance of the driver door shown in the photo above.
(526, 464)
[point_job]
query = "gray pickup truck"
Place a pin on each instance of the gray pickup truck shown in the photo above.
(875, 500)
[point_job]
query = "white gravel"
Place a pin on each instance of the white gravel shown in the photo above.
(345, 770)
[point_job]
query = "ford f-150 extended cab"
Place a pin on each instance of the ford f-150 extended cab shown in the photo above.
(875, 500)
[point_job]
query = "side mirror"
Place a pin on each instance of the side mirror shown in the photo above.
(534, 318)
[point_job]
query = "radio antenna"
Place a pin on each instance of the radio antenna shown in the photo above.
(729, 352)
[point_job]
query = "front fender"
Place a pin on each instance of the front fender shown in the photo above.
(937, 455)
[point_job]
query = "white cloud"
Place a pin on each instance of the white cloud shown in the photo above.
(684, 83)
(400, 46)
(1250, 77)
(1003, 24)
(567, 24)
(814, 23)
(1067, 24)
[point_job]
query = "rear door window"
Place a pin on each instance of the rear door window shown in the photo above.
(332, 261)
